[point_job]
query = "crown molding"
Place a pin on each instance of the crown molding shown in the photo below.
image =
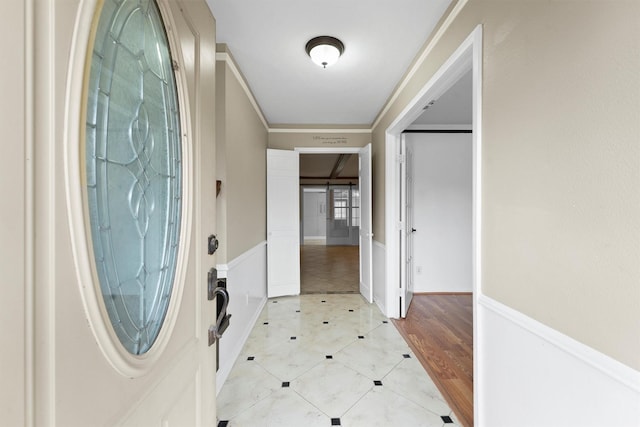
(227, 58)
(420, 60)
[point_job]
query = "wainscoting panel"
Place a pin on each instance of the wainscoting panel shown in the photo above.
(532, 375)
(379, 275)
(247, 286)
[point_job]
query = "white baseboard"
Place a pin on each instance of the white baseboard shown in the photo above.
(532, 375)
(247, 286)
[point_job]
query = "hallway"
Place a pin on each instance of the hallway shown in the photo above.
(324, 360)
(329, 269)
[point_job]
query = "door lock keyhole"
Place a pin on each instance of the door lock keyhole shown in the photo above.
(212, 244)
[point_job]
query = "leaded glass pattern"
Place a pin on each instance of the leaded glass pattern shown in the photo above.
(133, 169)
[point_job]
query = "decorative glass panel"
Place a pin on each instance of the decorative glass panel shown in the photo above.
(133, 169)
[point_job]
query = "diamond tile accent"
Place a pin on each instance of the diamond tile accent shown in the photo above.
(315, 363)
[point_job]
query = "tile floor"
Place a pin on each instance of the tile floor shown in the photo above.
(328, 360)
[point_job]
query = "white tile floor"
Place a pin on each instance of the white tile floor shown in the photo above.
(324, 360)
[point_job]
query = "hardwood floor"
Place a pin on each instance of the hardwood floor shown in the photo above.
(439, 330)
(329, 269)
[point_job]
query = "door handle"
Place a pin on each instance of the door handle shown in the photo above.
(413, 230)
(222, 322)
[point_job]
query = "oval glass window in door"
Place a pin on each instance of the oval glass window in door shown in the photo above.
(133, 169)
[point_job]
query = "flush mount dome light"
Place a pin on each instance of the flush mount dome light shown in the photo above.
(324, 50)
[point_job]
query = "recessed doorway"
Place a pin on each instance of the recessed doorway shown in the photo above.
(329, 223)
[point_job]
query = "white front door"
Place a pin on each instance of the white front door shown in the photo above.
(366, 225)
(283, 223)
(97, 359)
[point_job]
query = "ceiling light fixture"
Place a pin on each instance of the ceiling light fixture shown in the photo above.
(324, 50)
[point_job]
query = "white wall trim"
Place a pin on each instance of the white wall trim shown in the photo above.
(441, 127)
(378, 279)
(610, 367)
(327, 150)
(533, 375)
(223, 268)
(247, 285)
(423, 56)
(228, 59)
(225, 368)
(318, 130)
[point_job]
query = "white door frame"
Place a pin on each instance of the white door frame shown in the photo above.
(467, 56)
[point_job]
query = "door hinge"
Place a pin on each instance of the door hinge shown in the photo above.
(402, 158)
(400, 226)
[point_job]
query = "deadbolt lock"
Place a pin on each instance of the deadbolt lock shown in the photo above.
(212, 244)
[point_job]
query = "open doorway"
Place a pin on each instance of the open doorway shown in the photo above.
(462, 69)
(283, 219)
(329, 223)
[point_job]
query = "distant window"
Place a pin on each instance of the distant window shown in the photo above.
(355, 208)
(133, 169)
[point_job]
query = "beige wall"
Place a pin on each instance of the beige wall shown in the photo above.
(289, 140)
(241, 166)
(561, 162)
(13, 222)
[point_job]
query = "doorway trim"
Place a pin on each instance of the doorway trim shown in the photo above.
(327, 150)
(467, 56)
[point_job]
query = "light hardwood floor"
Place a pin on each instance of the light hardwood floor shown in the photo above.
(329, 269)
(439, 330)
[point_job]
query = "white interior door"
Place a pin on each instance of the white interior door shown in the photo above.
(283, 223)
(366, 225)
(86, 371)
(406, 228)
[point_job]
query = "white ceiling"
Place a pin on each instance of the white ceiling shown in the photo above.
(267, 40)
(454, 107)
